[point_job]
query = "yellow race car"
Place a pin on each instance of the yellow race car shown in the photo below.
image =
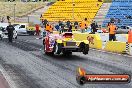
(64, 43)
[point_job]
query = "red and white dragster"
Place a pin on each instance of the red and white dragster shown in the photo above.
(64, 43)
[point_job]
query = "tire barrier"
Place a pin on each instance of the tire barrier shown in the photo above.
(127, 47)
(129, 43)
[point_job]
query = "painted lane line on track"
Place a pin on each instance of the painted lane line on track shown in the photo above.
(110, 52)
(7, 78)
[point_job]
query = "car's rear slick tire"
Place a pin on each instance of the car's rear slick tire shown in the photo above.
(86, 49)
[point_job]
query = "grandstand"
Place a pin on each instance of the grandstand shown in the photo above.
(119, 10)
(67, 10)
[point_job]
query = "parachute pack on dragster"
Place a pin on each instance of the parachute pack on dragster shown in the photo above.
(82, 77)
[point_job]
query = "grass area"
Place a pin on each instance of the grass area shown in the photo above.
(21, 8)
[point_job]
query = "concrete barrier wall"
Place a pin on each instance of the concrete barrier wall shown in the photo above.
(94, 39)
(115, 46)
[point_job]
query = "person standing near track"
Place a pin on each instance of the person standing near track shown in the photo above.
(112, 32)
(10, 30)
(37, 29)
(49, 28)
(83, 25)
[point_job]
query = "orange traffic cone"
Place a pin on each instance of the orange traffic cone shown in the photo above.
(130, 36)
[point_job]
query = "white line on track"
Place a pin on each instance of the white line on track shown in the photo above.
(110, 52)
(7, 78)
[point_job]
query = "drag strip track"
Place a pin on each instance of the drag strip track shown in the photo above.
(34, 47)
(22, 80)
(26, 46)
(65, 67)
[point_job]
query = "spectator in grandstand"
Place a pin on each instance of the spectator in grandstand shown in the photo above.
(68, 24)
(118, 20)
(112, 32)
(112, 20)
(76, 24)
(129, 17)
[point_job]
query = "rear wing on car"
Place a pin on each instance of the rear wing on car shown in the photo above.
(68, 35)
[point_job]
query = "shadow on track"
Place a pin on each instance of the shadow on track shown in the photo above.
(66, 58)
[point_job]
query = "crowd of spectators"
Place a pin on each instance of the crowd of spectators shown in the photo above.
(68, 26)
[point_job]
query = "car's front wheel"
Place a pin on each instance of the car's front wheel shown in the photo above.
(57, 48)
(45, 50)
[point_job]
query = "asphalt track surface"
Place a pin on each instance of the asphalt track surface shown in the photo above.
(28, 67)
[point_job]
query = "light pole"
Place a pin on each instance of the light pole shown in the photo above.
(73, 9)
(14, 12)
